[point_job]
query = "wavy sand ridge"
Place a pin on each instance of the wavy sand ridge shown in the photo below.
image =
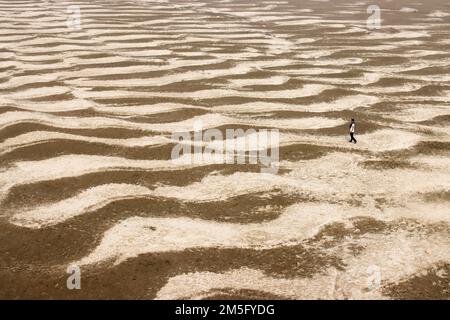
(86, 175)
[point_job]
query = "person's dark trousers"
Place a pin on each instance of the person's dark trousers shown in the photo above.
(352, 138)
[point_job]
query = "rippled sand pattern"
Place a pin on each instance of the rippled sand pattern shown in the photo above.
(86, 177)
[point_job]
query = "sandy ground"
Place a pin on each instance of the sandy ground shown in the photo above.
(86, 176)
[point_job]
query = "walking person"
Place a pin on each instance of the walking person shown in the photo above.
(352, 131)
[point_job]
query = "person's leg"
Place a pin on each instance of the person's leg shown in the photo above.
(351, 137)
